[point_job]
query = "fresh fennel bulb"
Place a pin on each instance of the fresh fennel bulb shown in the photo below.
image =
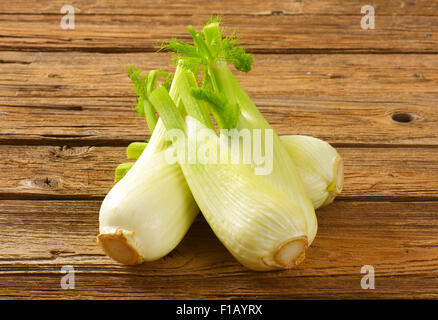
(148, 212)
(261, 227)
(266, 222)
(260, 224)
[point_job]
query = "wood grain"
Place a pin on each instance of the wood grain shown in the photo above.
(342, 98)
(275, 32)
(224, 7)
(397, 239)
(88, 172)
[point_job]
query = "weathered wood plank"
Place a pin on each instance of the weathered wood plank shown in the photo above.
(397, 239)
(225, 7)
(259, 33)
(50, 97)
(88, 172)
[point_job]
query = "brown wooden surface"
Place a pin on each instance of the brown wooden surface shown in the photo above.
(399, 239)
(224, 7)
(88, 172)
(66, 114)
(343, 98)
(289, 26)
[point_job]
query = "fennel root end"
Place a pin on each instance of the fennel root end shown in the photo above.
(117, 246)
(339, 174)
(291, 252)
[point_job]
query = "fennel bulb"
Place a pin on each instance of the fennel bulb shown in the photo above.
(260, 224)
(215, 52)
(266, 222)
(147, 213)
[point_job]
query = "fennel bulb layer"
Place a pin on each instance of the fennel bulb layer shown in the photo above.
(148, 212)
(319, 165)
(284, 175)
(261, 226)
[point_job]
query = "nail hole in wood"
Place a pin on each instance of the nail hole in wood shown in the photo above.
(45, 182)
(402, 117)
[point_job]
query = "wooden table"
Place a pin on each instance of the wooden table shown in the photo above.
(66, 116)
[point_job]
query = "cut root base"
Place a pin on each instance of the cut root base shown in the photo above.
(117, 247)
(339, 174)
(289, 253)
(337, 184)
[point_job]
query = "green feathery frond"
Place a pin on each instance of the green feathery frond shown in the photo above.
(210, 45)
(226, 115)
(236, 54)
(144, 85)
(227, 47)
(139, 86)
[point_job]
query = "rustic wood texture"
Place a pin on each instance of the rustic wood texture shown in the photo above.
(399, 239)
(112, 26)
(224, 7)
(343, 98)
(88, 172)
(282, 34)
(66, 116)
